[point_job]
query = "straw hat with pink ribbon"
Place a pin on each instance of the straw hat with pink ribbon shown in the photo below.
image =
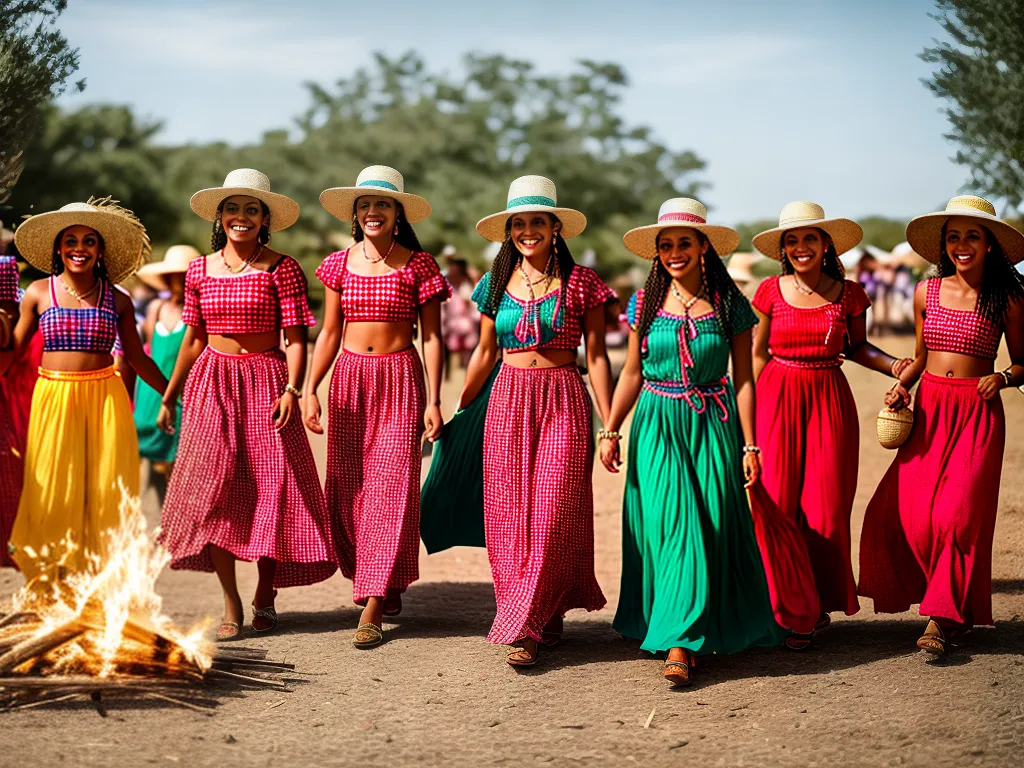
(681, 212)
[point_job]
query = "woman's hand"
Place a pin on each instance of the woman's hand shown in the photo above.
(283, 408)
(311, 414)
(900, 365)
(897, 398)
(165, 418)
(609, 452)
(432, 423)
(751, 468)
(989, 386)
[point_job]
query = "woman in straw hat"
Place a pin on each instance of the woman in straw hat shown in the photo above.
(693, 581)
(163, 330)
(928, 529)
(244, 485)
(537, 305)
(377, 292)
(81, 455)
(807, 426)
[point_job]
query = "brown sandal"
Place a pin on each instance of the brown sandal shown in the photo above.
(798, 641)
(368, 636)
(937, 640)
(521, 656)
(228, 630)
(678, 672)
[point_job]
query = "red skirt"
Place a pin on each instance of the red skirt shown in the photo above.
(375, 419)
(240, 484)
(928, 529)
(810, 437)
(538, 499)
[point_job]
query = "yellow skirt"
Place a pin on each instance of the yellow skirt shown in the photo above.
(81, 450)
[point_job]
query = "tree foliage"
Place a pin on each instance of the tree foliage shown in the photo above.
(35, 64)
(981, 74)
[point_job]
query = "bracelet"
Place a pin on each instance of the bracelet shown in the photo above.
(608, 434)
(1006, 377)
(751, 449)
(293, 390)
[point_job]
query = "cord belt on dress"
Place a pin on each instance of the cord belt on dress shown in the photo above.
(833, 362)
(695, 395)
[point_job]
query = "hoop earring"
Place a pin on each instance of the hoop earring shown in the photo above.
(394, 231)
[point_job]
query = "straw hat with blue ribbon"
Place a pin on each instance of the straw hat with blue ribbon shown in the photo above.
(924, 233)
(379, 180)
(526, 195)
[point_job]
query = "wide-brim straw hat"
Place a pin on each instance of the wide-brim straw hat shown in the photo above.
(845, 233)
(526, 195)
(125, 241)
(924, 233)
(380, 180)
(247, 181)
(681, 212)
(175, 261)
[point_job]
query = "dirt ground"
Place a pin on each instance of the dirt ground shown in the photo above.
(437, 693)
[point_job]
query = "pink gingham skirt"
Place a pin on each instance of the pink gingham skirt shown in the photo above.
(240, 484)
(538, 499)
(374, 423)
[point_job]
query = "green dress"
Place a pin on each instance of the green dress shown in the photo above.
(692, 575)
(154, 444)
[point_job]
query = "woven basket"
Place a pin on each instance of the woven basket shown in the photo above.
(894, 427)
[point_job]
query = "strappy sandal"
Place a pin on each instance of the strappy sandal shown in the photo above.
(392, 605)
(268, 613)
(678, 672)
(520, 655)
(368, 635)
(824, 621)
(228, 630)
(935, 640)
(549, 638)
(798, 641)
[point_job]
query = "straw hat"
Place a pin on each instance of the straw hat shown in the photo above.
(527, 194)
(681, 212)
(125, 242)
(924, 233)
(845, 233)
(375, 180)
(247, 181)
(175, 261)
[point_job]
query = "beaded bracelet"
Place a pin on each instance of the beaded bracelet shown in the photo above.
(751, 449)
(293, 390)
(608, 434)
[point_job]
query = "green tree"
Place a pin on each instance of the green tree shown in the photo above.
(981, 72)
(35, 64)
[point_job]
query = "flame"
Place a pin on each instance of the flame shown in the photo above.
(114, 601)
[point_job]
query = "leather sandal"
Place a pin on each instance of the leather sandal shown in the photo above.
(678, 672)
(268, 613)
(935, 640)
(798, 641)
(521, 656)
(392, 605)
(228, 630)
(368, 635)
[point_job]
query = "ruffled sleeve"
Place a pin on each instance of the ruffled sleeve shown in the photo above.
(764, 298)
(587, 290)
(290, 283)
(191, 313)
(633, 308)
(8, 279)
(743, 317)
(332, 269)
(855, 299)
(430, 283)
(480, 294)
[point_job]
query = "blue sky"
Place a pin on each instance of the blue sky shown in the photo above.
(793, 99)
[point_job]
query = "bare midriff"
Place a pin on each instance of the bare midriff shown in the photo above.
(76, 361)
(244, 343)
(952, 364)
(539, 358)
(376, 338)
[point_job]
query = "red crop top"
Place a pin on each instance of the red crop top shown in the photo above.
(251, 302)
(809, 334)
(392, 297)
(961, 331)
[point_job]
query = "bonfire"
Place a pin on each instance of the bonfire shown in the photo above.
(102, 631)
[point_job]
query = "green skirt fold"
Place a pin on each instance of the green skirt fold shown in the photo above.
(452, 497)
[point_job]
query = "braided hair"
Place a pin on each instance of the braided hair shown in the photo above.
(722, 292)
(830, 263)
(219, 238)
(405, 236)
(99, 269)
(1000, 282)
(509, 258)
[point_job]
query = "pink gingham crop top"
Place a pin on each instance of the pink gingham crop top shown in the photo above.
(84, 329)
(254, 301)
(961, 331)
(393, 297)
(8, 279)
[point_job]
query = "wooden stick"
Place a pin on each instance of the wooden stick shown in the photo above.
(247, 679)
(243, 662)
(40, 646)
(86, 683)
(44, 702)
(187, 705)
(19, 617)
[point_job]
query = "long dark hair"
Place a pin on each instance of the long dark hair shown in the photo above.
(405, 237)
(721, 290)
(1000, 282)
(508, 259)
(219, 238)
(99, 268)
(830, 263)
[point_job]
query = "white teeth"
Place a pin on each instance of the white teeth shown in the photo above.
(240, 228)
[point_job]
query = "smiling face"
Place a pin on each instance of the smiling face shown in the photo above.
(376, 214)
(805, 248)
(533, 233)
(79, 248)
(242, 216)
(680, 250)
(966, 243)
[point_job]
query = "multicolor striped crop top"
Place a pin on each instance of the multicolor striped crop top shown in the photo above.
(254, 301)
(8, 279)
(85, 329)
(961, 331)
(393, 297)
(552, 321)
(809, 335)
